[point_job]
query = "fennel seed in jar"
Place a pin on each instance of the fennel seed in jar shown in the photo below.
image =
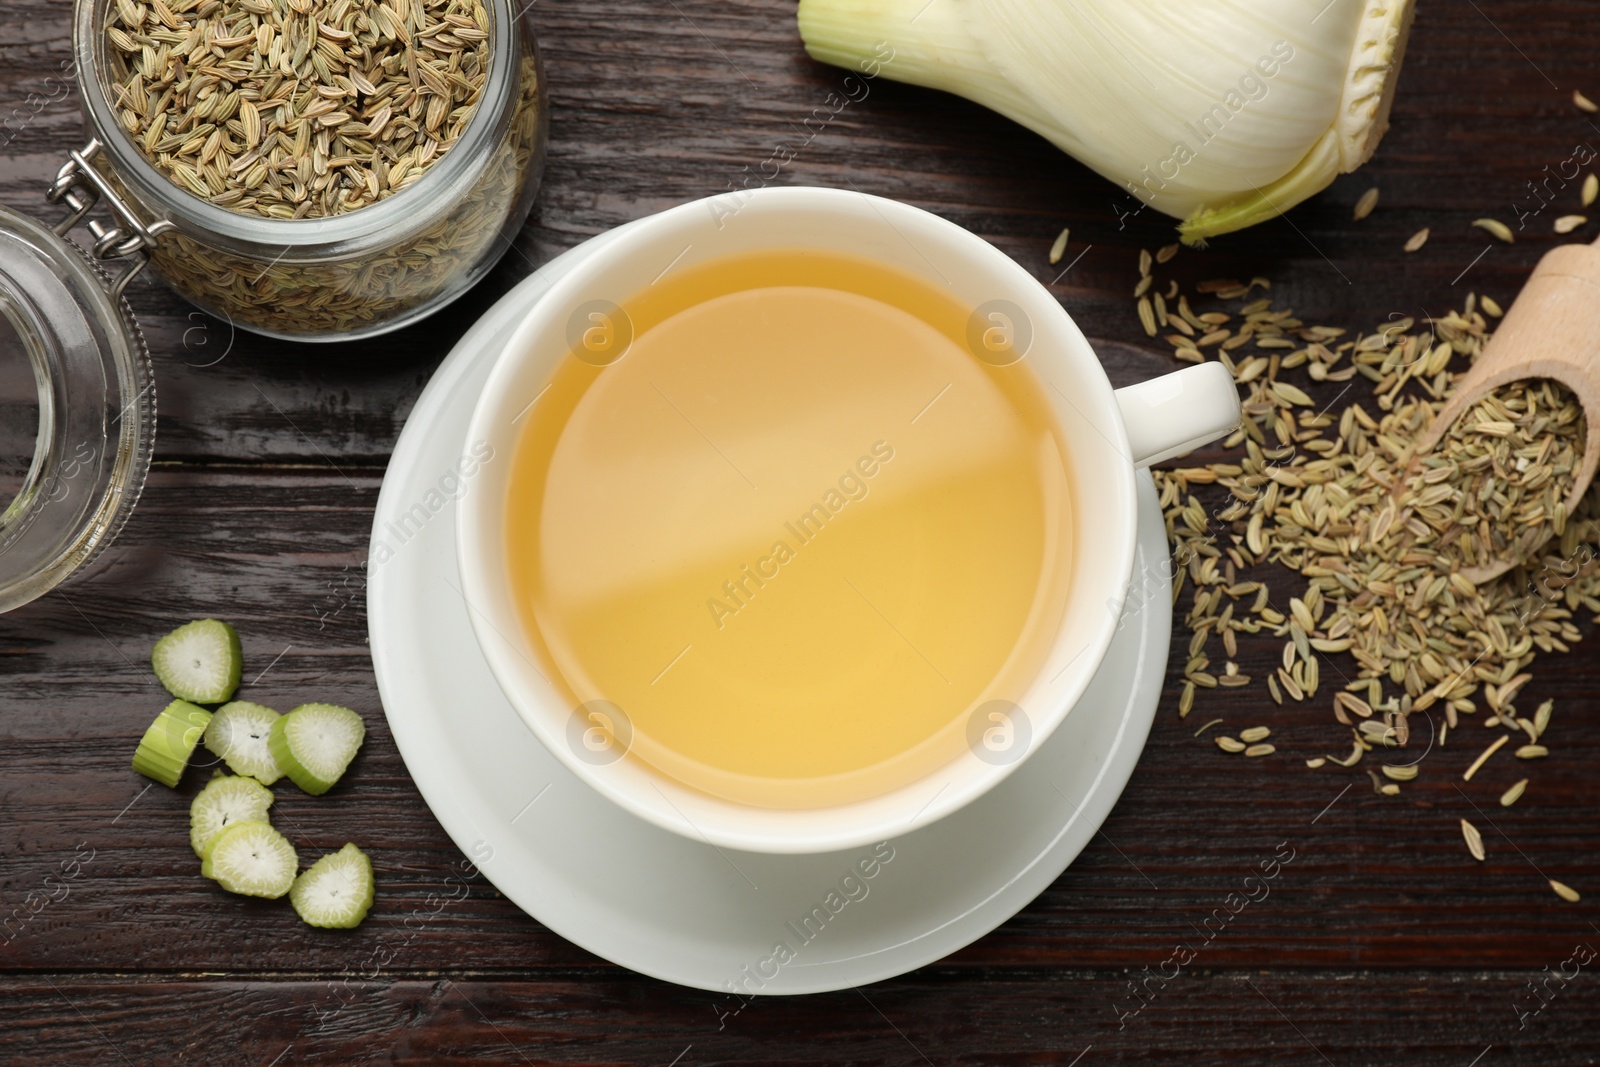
(294, 109)
(416, 196)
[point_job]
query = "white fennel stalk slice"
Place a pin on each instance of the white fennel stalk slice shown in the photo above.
(239, 734)
(224, 802)
(252, 859)
(166, 746)
(200, 661)
(336, 891)
(314, 743)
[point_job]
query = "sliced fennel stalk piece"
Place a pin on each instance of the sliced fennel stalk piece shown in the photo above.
(1217, 115)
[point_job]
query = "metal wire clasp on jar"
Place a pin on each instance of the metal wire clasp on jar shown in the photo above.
(315, 170)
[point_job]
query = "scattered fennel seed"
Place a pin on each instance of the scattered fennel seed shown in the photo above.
(1059, 249)
(1498, 744)
(1364, 206)
(1374, 594)
(1496, 228)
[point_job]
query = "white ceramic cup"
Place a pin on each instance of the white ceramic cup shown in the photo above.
(1106, 436)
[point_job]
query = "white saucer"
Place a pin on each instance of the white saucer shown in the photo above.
(658, 903)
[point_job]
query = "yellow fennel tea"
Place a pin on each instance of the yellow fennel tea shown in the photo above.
(797, 531)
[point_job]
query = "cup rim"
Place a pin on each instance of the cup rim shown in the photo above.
(509, 664)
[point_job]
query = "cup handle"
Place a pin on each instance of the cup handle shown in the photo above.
(1178, 412)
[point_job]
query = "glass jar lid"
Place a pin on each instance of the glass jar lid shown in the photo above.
(77, 409)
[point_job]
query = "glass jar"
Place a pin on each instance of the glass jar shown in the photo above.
(367, 271)
(77, 407)
(77, 398)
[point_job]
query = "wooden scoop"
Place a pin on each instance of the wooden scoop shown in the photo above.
(1552, 331)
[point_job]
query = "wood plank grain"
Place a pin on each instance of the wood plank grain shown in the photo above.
(670, 103)
(1382, 935)
(1378, 881)
(936, 1017)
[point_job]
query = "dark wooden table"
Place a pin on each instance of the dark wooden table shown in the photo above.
(1382, 942)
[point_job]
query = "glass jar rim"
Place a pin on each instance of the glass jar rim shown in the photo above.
(418, 204)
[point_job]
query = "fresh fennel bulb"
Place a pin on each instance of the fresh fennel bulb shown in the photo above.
(1221, 113)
